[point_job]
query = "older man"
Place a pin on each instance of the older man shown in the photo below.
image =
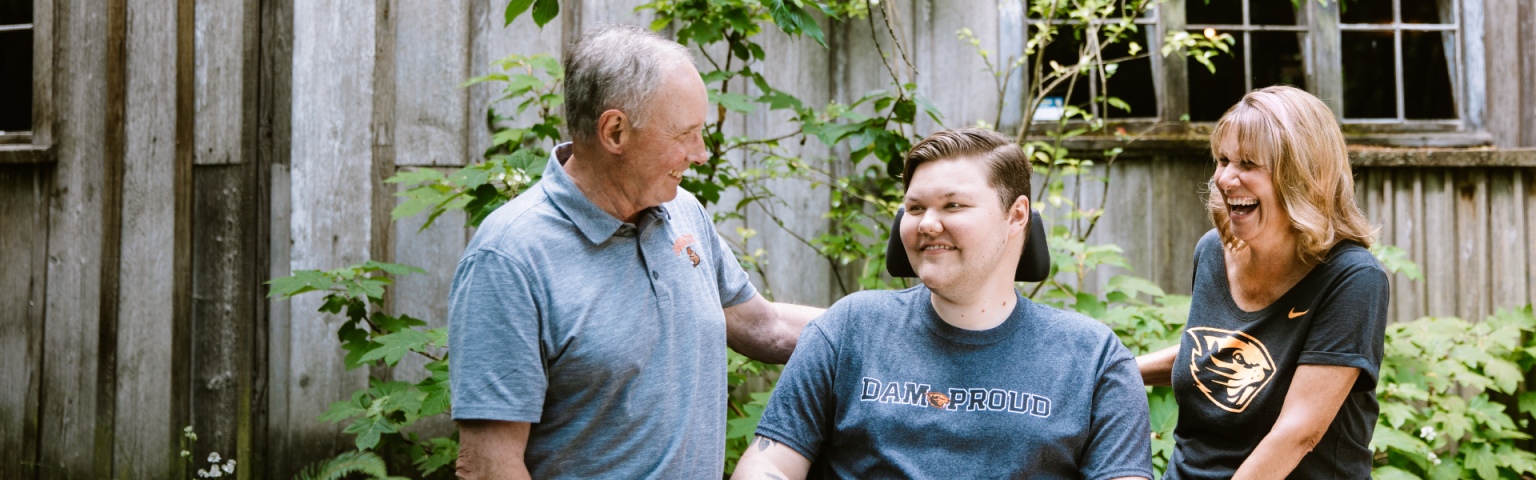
(588, 318)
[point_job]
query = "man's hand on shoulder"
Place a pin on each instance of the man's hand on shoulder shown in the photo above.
(766, 459)
(766, 331)
(490, 449)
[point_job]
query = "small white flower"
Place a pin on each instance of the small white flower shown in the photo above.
(188, 429)
(213, 457)
(229, 467)
(1434, 458)
(202, 473)
(1427, 433)
(185, 454)
(213, 472)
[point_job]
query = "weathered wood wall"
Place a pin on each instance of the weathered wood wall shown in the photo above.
(199, 148)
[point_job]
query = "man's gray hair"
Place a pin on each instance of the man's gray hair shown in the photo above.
(615, 67)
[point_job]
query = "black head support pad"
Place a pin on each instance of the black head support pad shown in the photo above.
(1034, 263)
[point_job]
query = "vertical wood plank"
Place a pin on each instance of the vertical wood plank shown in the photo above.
(1012, 34)
(949, 72)
(225, 235)
(273, 150)
(68, 421)
(795, 272)
(224, 299)
(331, 220)
(1527, 16)
(425, 296)
(1439, 261)
(1173, 91)
(1405, 213)
(145, 435)
(43, 49)
(1472, 244)
(23, 248)
(1501, 49)
(431, 60)
(1325, 72)
(1506, 228)
(489, 41)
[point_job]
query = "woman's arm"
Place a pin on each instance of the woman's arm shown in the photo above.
(1314, 399)
(766, 459)
(1157, 367)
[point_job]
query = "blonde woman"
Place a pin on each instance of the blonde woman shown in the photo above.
(1275, 375)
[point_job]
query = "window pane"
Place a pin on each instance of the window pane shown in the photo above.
(1132, 81)
(1063, 50)
(1210, 95)
(16, 81)
(1426, 11)
(1426, 79)
(1277, 59)
(1213, 12)
(1271, 12)
(15, 12)
(1365, 11)
(1370, 82)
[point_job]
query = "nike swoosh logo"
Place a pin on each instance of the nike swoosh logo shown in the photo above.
(1295, 313)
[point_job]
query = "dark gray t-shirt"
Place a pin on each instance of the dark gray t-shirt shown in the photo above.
(881, 387)
(1234, 368)
(608, 337)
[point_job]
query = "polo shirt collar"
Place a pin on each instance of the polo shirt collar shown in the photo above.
(595, 224)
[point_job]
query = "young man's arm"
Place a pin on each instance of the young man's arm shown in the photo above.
(766, 331)
(766, 459)
(492, 449)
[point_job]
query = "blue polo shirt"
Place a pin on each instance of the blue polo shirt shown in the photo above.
(607, 336)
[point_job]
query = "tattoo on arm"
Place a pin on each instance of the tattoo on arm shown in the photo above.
(763, 443)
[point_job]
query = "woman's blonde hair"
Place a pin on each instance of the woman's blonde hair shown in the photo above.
(1293, 136)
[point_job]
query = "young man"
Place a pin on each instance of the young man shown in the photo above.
(959, 377)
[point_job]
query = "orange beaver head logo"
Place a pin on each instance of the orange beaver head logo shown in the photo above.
(938, 400)
(1230, 367)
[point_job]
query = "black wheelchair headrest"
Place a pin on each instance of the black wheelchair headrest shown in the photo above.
(1034, 262)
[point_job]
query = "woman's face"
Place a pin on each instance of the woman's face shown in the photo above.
(1248, 190)
(955, 229)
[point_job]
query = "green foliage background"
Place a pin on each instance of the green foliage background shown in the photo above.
(1444, 386)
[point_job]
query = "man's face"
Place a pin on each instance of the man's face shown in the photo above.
(955, 230)
(658, 155)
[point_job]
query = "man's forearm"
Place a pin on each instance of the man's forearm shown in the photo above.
(492, 450)
(767, 331)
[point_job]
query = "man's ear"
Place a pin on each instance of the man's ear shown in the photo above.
(1018, 215)
(612, 131)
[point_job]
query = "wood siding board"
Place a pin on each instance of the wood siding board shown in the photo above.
(1325, 73)
(1406, 229)
(1527, 15)
(490, 41)
(796, 272)
(273, 150)
(1012, 35)
(224, 299)
(425, 296)
(429, 115)
(144, 442)
(43, 47)
(1438, 263)
(1507, 253)
(950, 73)
(68, 418)
(1173, 90)
(1501, 43)
(279, 328)
(1471, 245)
(332, 205)
(23, 248)
(220, 81)
(1475, 72)
(382, 198)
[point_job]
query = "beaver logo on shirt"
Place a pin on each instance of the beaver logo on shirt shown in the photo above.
(1230, 367)
(686, 243)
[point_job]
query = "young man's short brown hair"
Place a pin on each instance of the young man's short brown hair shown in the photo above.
(1008, 168)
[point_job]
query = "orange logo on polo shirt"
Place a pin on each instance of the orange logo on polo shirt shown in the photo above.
(685, 243)
(1230, 367)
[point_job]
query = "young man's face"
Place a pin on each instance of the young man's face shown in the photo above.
(956, 231)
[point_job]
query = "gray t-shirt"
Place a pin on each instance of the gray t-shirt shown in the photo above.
(881, 387)
(608, 337)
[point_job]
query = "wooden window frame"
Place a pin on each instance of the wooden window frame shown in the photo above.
(36, 146)
(1324, 72)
